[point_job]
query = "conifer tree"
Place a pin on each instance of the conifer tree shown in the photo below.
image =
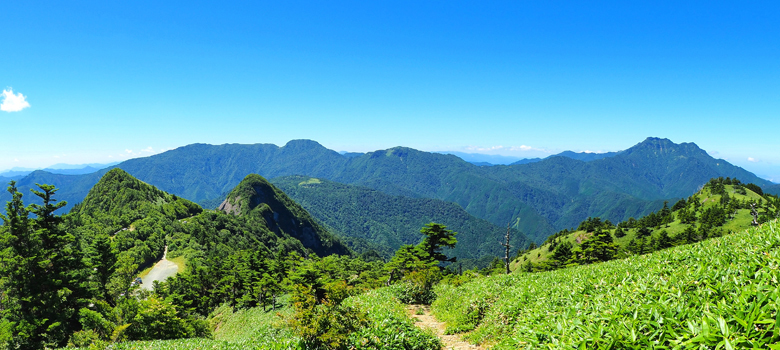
(44, 273)
(437, 236)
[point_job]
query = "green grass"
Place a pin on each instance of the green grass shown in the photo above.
(740, 222)
(389, 327)
(252, 326)
(180, 262)
(720, 293)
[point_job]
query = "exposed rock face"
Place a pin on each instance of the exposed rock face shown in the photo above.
(231, 208)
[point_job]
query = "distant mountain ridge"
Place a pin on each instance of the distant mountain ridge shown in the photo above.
(548, 195)
(60, 168)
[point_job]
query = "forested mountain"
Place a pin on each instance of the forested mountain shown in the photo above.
(261, 203)
(585, 156)
(370, 219)
(549, 195)
(774, 189)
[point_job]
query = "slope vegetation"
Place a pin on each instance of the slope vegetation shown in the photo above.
(261, 203)
(549, 195)
(720, 293)
(722, 206)
(370, 219)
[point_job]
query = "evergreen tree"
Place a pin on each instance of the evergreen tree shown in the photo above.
(664, 241)
(101, 258)
(562, 254)
(44, 273)
(437, 236)
(619, 233)
(599, 247)
(690, 235)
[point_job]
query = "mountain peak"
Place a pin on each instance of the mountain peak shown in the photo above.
(250, 192)
(303, 144)
(259, 200)
(660, 146)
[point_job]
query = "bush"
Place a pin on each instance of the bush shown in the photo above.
(417, 287)
(326, 324)
(158, 319)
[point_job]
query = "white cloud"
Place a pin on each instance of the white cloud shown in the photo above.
(751, 159)
(521, 148)
(13, 102)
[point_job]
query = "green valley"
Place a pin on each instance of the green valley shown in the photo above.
(372, 220)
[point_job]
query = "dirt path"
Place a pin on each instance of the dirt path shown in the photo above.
(162, 270)
(426, 320)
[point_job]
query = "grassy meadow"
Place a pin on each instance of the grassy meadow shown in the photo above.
(720, 293)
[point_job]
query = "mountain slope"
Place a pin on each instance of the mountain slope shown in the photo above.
(722, 206)
(119, 199)
(549, 195)
(371, 219)
(262, 203)
(689, 297)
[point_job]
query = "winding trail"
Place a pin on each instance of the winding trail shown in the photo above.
(426, 320)
(161, 271)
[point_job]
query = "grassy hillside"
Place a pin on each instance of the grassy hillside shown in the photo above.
(719, 293)
(640, 236)
(371, 219)
(388, 327)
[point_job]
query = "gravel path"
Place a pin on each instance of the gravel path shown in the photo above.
(426, 320)
(161, 270)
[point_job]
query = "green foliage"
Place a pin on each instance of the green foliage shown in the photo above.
(416, 287)
(598, 248)
(701, 216)
(389, 325)
(720, 293)
(437, 237)
(325, 323)
(41, 273)
(372, 220)
(261, 203)
(158, 319)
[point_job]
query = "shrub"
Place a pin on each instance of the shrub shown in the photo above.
(417, 286)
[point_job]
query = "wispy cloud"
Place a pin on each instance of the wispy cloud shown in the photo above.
(13, 102)
(148, 151)
(751, 159)
(521, 148)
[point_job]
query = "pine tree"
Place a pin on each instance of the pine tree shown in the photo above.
(44, 272)
(437, 236)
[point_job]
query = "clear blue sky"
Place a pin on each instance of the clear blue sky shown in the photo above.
(105, 81)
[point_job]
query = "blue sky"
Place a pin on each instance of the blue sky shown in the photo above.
(106, 81)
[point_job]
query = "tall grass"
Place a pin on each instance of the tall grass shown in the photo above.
(388, 327)
(720, 293)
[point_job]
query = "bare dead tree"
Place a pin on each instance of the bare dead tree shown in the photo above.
(754, 213)
(507, 246)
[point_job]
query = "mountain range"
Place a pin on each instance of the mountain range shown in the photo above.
(548, 195)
